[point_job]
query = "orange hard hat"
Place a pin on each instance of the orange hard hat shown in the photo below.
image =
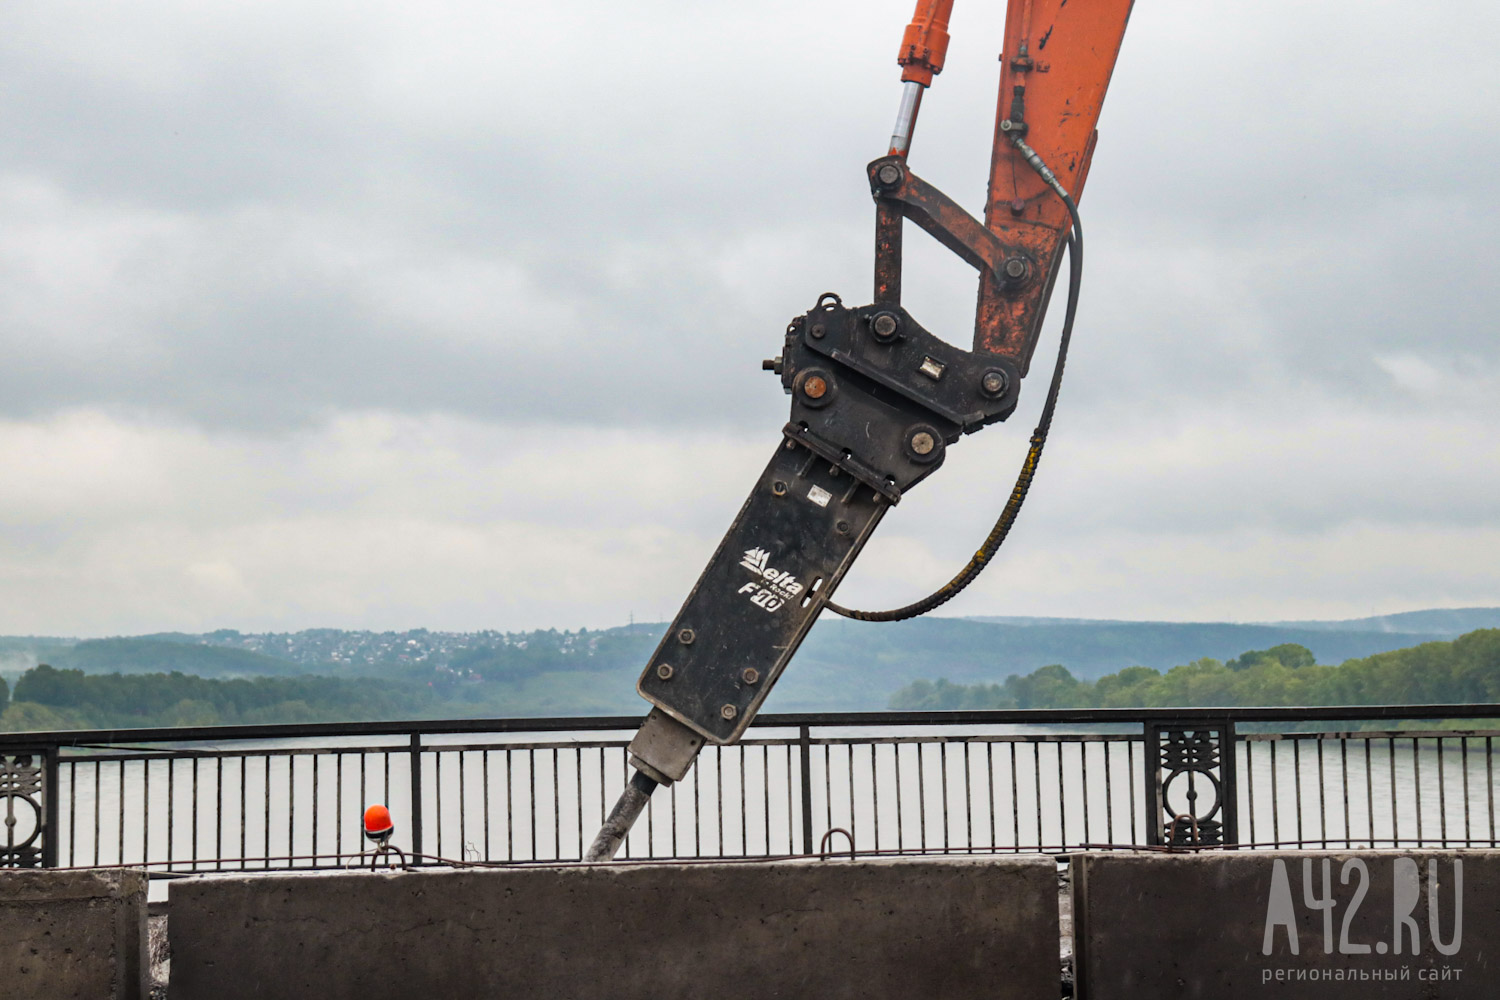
(378, 821)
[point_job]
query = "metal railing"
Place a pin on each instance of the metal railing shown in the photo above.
(535, 790)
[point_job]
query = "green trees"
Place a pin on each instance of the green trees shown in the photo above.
(48, 698)
(1464, 671)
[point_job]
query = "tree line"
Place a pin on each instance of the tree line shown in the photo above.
(1463, 671)
(48, 698)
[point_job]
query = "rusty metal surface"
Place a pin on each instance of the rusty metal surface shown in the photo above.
(1062, 54)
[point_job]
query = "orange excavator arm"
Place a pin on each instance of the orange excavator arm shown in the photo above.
(1056, 63)
(876, 398)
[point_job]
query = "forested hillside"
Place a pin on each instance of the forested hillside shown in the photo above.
(1465, 670)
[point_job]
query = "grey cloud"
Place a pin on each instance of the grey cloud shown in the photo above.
(288, 169)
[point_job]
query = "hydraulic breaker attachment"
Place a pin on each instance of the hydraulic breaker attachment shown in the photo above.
(876, 399)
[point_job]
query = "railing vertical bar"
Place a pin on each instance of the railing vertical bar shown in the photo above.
(72, 812)
(171, 806)
(1344, 787)
(968, 802)
(510, 813)
(1463, 749)
(531, 802)
(804, 746)
(194, 863)
(266, 783)
(943, 771)
(900, 826)
(827, 788)
(437, 800)
(744, 805)
(244, 815)
(874, 799)
(853, 816)
(989, 770)
(1083, 760)
(51, 818)
(120, 842)
(719, 796)
(484, 772)
(1130, 770)
(557, 804)
(1322, 795)
(1036, 763)
(1369, 792)
(1297, 787)
(1416, 763)
(698, 807)
(765, 771)
(1250, 786)
(315, 760)
(291, 811)
(1489, 774)
(791, 807)
(578, 797)
(1395, 821)
(146, 813)
(414, 758)
(1109, 797)
(922, 794)
(1275, 795)
(463, 801)
(674, 818)
(1062, 798)
(98, 788)
(1015, 801)
(1442, 793)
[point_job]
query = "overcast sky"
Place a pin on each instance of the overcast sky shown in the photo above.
(376, 315)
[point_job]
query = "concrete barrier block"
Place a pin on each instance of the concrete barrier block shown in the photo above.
(952, 928)
(73, 934)
(1324, 924)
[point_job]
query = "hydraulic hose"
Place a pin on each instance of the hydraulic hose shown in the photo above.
(1007, 518)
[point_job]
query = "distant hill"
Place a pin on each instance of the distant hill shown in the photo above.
(1433, 621)
(854, 665)
(148, 655)
(1455, 621)
(843, 666)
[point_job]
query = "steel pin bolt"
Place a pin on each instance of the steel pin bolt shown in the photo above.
(889, 174)
(749, 675)
(922, 443)
(994, 382)
(686, 636)
(885, 325)
(778, 488)
(729, 711)
(815, 387)
(664, 671)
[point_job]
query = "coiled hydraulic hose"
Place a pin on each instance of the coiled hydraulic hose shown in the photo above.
(1002, 527)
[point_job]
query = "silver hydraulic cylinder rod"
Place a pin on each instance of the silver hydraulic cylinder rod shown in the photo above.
(906, 117)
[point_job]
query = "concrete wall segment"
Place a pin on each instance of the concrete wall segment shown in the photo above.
(73, 935)
(949, 928)
(1304, 924)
